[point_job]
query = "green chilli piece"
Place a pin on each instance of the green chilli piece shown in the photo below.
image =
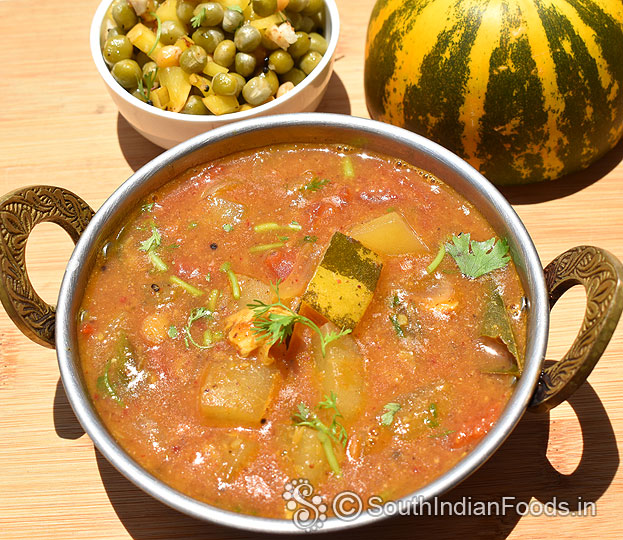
(271, 226)
(437, 260)
(266, 247)
(347, 167)
(186, 286)
(215, 294)
(233, 280)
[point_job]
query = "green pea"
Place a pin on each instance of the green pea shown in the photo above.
(267, 43)
(310, 61)
(244, 64)
(171, 31)
(141, 58)
(117, 48)
(280, 61)
(148, 69)
(211, 13)
(208, 38)
(256, 91)
(240, 81)
(295, 76)
(194, 105)
(318, 19)
(300, 46)
(247, 38)
(124, 15)
(318, 43)
(313, 6)
(184, 11)
(272, 79)
(193, 59)
(297, 5)
(225, 53)
(127, 73)
(114, 31)
(295, 19)
(232, 20)
(224, 85)
(264, 8)
(306, 25)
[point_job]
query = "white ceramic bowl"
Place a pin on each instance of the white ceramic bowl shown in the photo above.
(166, 129)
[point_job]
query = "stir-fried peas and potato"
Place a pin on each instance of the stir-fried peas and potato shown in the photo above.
(242, 53)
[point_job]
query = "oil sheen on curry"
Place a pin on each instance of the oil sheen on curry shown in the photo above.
(302, 311)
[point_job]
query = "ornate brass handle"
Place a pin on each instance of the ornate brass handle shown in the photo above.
(601, 274)
(20, 212)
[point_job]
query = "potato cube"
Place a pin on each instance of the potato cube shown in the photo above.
(221, 104)
(143, 39)
(175, 80)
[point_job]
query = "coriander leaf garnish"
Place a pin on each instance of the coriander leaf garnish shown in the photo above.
(198, 19)
(475, 259)
(158, 33)
(195, 315)
(390, 409)
(172, 332)
(396, 324)
(145, 85)
(305, 417)
(431, 420)
(148, 207)
(150, 245)
(315, 184)
(277, 327)
(310, 238)
(153, 241)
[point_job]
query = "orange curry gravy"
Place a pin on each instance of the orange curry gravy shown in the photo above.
(419, 344)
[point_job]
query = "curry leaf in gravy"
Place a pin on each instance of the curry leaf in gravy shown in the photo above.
(390, 409)
(496, 324)
(478, 258)
(105, 386)
(122, 371)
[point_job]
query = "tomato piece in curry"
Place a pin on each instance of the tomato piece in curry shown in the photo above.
(301, 311)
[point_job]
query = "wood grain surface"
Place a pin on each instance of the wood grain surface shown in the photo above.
(58, 126)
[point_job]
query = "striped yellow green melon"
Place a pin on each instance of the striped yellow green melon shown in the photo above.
(524, 90)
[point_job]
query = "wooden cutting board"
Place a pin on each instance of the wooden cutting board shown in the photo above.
(58, 126)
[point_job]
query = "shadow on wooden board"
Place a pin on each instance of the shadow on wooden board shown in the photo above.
(567, 185)
(519, 470)
(136, 149)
